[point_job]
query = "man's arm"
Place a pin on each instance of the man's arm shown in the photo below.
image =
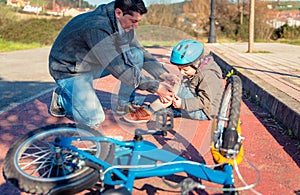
(107, 54)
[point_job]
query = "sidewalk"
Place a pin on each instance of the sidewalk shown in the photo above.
(275, 154)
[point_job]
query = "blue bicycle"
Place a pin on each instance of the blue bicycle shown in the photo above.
(69, 158)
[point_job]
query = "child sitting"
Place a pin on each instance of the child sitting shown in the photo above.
(199, 93)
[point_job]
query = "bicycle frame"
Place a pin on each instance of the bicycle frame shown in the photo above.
(141, 157)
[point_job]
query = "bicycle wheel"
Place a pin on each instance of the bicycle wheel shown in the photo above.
(31, 163)
(228, 116)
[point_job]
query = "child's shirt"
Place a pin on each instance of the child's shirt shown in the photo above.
(207, 86)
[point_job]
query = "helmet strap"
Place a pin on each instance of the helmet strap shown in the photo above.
(197, 63)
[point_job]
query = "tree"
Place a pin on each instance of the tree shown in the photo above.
(160, 14)
(197, 10)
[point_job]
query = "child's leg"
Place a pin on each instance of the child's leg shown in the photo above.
(185, 92)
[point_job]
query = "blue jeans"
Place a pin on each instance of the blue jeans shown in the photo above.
(126, 93)
(78, 96)
(184, 92)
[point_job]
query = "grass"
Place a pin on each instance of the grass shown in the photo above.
(6, 46)
(261, 51)
(158, 43)
(290, 41)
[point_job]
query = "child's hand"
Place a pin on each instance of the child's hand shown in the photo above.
(176, 101)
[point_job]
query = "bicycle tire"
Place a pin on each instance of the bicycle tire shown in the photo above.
(29, 162)
(230, 111)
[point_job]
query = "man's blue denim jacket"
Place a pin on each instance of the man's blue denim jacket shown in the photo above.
(91, 40)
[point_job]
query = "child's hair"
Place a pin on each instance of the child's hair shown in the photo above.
(186, 52)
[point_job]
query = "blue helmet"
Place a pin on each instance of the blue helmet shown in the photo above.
(186, 52)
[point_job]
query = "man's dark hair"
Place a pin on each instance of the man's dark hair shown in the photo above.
(129, 6)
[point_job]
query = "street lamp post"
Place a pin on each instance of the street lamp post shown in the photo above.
(212, 34)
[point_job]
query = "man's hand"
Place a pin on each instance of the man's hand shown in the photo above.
(170, 78)
(165, 92)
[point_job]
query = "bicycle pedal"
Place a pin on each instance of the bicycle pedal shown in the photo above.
(164, 119)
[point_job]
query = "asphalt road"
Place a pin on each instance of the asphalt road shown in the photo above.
(24, 76)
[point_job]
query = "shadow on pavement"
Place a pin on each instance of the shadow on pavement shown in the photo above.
(12, 93)
(34, 114)
(267, 71)
(9, 189)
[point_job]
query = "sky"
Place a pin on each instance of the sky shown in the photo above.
(147, 2)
